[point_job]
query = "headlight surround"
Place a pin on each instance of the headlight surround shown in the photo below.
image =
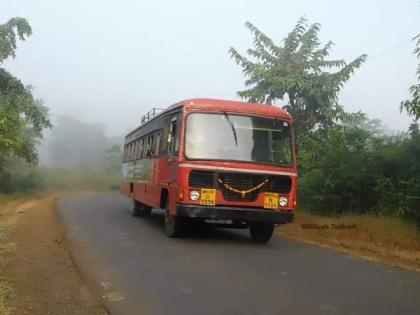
(194, 195)
(283, 201)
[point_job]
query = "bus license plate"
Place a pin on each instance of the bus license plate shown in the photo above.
(208, 197)
(271, 201)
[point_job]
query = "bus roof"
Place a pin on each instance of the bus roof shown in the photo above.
(234, 106)
(223, 106)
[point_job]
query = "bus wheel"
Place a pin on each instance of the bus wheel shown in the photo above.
(173, 225)
(261, 232)
(138, 209)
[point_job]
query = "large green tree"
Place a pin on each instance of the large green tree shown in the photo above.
(22, 117)
(412, 106)
(299, 71)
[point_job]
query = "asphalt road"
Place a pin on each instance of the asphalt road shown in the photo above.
(138, 270)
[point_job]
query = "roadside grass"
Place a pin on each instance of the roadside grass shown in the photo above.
(384, 239)
(5, 198)
(7, 248)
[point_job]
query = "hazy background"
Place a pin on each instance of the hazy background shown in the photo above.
(109, 62)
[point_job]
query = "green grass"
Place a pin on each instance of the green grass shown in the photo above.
(5, 198)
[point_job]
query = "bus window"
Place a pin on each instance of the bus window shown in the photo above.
(149, 145)
(136, 146)
(173, 139)
(156, 144)
(141, 148)
(137, 149)
(125, 153)
(129, 152)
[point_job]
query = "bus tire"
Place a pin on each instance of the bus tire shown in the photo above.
(138, 209)
(173, 224)
(261, 232)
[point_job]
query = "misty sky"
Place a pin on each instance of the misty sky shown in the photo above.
(111, 61)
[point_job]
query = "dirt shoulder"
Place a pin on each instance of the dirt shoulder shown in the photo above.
(40, 276)
(381, 239)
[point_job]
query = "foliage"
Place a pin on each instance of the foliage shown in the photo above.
(298, 70)
(20, 177)
(334, 170)
(349, 169)
(396, 169)
(412, 106)
(347, 164)
(22, 118)
(413, 129)
(8, 31)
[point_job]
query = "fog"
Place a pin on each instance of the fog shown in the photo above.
(73, 143)
(109, 62)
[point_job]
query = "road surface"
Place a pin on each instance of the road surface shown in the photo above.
(136, 269)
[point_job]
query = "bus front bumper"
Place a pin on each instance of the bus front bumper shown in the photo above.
(235, 214)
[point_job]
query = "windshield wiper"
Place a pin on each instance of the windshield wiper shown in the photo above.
(231, 127)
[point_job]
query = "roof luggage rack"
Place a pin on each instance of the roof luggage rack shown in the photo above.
(151, 114)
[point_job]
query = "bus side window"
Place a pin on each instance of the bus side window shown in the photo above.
(136, 146)
(173, 139)
(125, 153)
(149, 145)
(140, 148)
(128, 152)
(156, 144)
(132, 151)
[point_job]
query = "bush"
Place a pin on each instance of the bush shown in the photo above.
(350, 170)
(20, 177)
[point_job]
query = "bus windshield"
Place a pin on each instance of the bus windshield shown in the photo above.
(225, 136)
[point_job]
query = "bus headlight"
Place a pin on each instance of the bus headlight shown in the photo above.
(194, 195)
(283, 201)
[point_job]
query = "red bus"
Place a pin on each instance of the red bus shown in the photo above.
(214, 161)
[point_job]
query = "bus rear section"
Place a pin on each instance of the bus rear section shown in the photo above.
(233, 165)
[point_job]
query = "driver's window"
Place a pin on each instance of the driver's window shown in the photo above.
(173, 137)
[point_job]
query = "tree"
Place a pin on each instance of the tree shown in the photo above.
(8, 31)
(413, 129)
(412, 106)
(22, 118)
(298, 71)
(335, 174)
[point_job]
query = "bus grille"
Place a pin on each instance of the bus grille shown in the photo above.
(240, 181)
(201, 179)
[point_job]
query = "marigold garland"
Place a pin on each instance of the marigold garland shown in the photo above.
(243, 192)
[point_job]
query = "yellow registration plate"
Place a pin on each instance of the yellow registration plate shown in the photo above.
(271, 200)
(208, 197)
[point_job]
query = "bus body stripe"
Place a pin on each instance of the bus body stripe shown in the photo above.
(209, 167)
